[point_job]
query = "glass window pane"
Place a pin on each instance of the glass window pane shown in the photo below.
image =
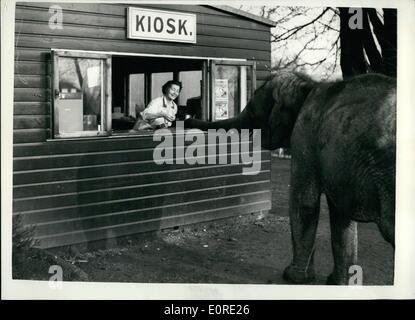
(79, 105)
(157, 81)
(137, 94)
(191, 82)
(190, 96)
(226, 92)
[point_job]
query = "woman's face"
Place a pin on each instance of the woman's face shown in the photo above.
(173, 92)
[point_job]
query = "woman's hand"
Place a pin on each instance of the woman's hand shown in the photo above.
(167, 116)
(148, 116)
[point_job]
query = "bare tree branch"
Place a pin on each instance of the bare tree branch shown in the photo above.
(294, 30)
(310, 38)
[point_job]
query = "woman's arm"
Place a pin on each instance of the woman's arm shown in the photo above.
(155, 110)
(152, 116)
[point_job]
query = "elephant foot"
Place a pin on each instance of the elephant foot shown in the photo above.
(298, 275)
(336, 280)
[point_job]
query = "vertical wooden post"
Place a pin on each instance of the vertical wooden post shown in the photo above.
(355, 242)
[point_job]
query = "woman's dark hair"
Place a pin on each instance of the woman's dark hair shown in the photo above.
(168, 84)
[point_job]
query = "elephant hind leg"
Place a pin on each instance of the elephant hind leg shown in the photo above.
(387, 229)
(344, 244)
(304, 216)
(386, 222)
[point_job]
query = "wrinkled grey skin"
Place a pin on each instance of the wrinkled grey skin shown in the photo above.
(343, 140)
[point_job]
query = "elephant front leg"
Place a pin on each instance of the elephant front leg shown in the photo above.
(344, 245)
(304, 215)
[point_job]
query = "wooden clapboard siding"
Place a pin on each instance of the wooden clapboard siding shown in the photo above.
(31, 68)
(29, 185)
(108, 9)
(31, 74)
(112, 143)
(118, 30)
(30, 135)
(98, 14)
(31, 94)
(144, 202)
(254, 202)
(32, 81)
(133, 192)
(235, 35)
(77, 190)
(48, 41)
(31, 121)
(88, 159)
(170, 209)
(99, 233)
(31, 54)
(31, 108)
(79, 197)
(117, 35)
(208, 24)
(34, 54)
(102, 170)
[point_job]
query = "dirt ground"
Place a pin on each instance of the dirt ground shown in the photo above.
(248, 249)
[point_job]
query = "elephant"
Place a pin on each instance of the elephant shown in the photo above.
(342, 136)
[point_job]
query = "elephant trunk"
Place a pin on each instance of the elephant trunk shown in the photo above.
(239, 122)
(255, 115)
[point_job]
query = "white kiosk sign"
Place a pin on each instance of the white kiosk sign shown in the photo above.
(148, 24)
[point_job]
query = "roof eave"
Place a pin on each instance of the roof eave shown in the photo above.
(245, 14)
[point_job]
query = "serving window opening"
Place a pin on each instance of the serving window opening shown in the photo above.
(99, 94)
(138, 80)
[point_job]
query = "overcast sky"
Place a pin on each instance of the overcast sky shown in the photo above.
(319, 48)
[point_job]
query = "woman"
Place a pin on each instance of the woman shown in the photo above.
(161, 111)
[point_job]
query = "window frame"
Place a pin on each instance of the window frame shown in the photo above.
(208, 77)
(226, 62)
(106, 92)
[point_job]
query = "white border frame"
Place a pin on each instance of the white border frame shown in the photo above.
(404, 287)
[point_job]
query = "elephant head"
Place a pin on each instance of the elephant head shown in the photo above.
(273, 109)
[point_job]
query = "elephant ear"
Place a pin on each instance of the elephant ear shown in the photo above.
(289, 91)
(280, 124)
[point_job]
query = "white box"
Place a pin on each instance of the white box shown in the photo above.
(70, 115)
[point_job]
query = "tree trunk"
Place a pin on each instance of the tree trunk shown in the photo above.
(390, 42)
(352, 60)
(376, 63)
(355, 43)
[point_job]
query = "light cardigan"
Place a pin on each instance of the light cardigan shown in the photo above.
(157, 105)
